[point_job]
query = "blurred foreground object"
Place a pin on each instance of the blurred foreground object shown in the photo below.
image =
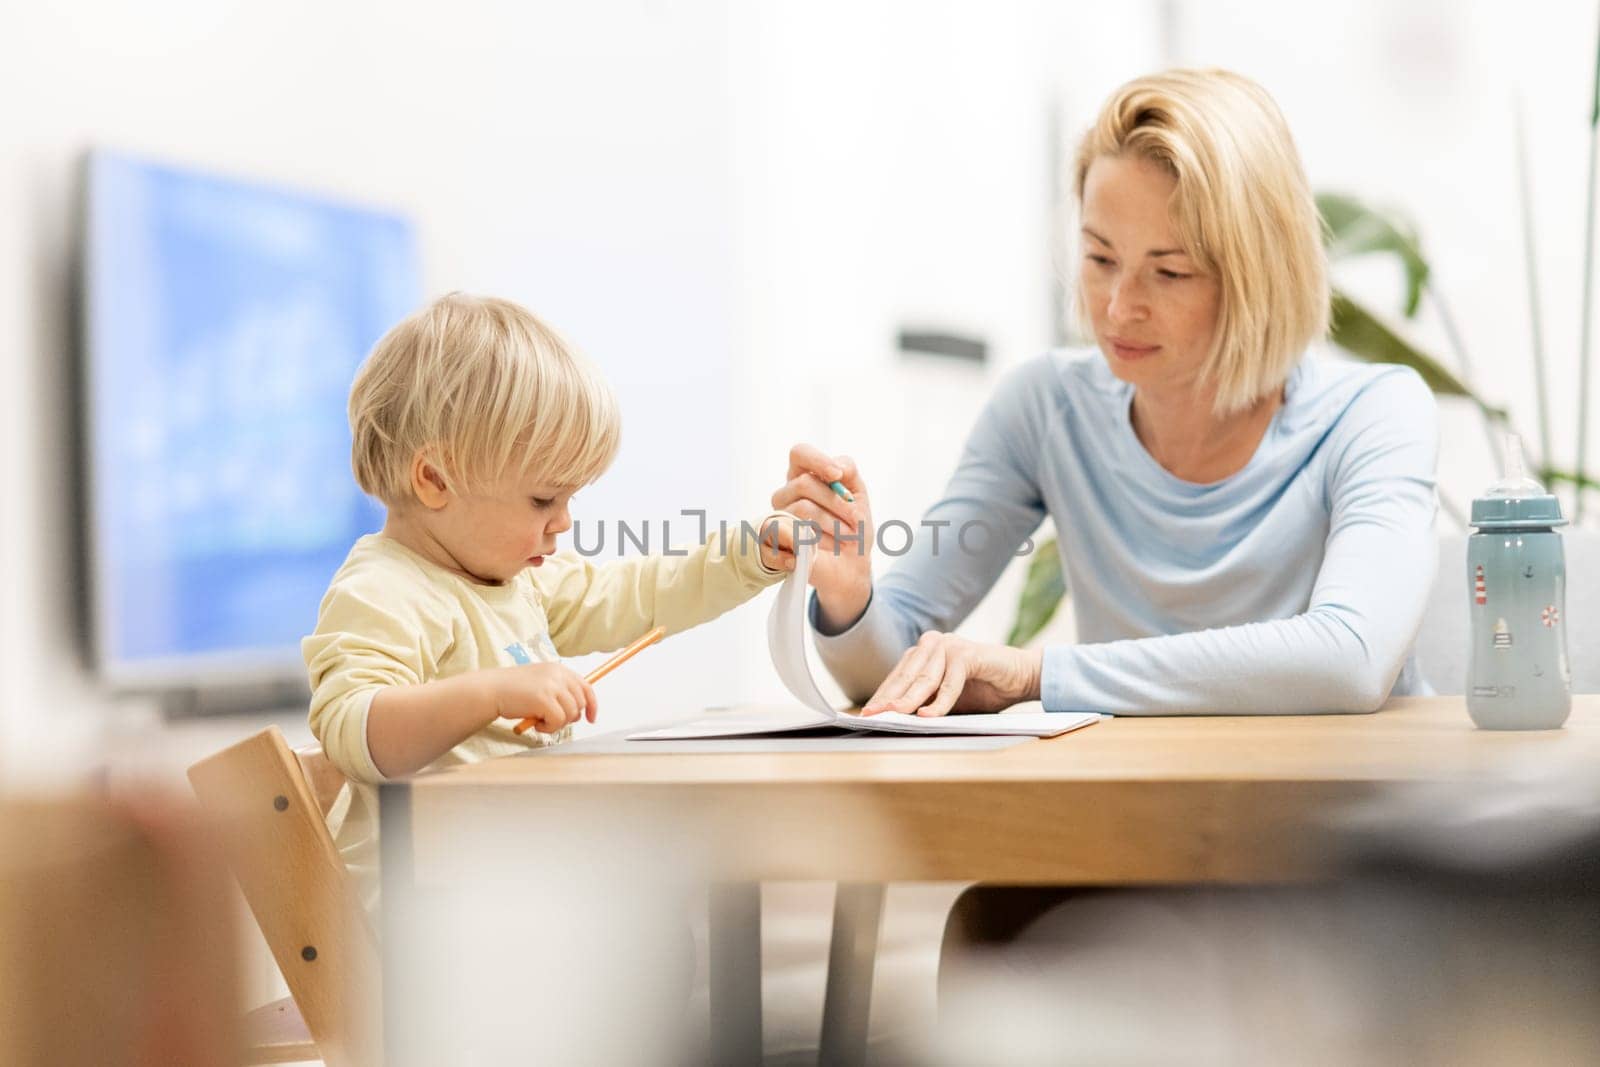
(1462, 931)
(117, 944)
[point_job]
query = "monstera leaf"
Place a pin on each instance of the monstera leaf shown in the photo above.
(1042, 593)
(1365, 336)
(1355, 228)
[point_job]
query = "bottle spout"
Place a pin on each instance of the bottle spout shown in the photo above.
(1514, 480)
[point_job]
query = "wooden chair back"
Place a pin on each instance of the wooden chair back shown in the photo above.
(271, 803)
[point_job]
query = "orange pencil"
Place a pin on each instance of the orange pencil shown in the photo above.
(609, 665)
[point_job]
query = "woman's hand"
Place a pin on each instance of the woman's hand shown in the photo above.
(944, 673)
(841, 570)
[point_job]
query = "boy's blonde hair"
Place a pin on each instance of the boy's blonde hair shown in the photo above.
(1243, 211)
(489, 390)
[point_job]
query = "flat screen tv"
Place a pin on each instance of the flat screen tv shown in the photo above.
(223, 321)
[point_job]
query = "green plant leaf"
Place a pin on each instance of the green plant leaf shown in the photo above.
(1355, 228)
(1042, 593)
(1361, 333)
(1552, 476)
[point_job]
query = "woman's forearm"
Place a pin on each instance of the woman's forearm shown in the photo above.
(1311, 663)
(839, 609)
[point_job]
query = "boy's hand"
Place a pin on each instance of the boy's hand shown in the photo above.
(779, 557)
(552, 695)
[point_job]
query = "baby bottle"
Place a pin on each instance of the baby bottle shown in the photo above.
(1517, 674)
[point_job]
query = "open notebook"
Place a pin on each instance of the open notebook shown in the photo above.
(786, 640)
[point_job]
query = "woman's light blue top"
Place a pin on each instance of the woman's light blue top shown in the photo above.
(1295, 585)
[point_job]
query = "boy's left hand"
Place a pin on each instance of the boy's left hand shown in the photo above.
(782, 558)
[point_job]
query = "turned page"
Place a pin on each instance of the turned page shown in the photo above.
(787, 641)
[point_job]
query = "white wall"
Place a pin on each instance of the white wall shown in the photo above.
(16, 447)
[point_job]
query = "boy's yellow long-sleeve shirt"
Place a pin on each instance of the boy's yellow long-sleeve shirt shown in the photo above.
(391, 617)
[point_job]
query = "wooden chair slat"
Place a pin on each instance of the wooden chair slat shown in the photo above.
(298, 889)
(275, 1033)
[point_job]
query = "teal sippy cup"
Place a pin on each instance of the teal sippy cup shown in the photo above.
(1517, 675)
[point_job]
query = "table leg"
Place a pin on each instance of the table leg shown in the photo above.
(857, 911)
(735, 978)
(396, 894)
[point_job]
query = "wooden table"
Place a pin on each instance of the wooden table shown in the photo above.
(1231, 799)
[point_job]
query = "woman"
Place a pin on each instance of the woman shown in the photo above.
(1244, 530)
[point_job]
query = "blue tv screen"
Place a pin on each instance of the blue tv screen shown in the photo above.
(224, 321)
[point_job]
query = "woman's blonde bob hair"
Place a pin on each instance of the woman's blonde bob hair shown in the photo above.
(487, 390)
(1243, 211)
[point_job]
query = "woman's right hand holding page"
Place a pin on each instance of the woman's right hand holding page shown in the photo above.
(841, 571)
